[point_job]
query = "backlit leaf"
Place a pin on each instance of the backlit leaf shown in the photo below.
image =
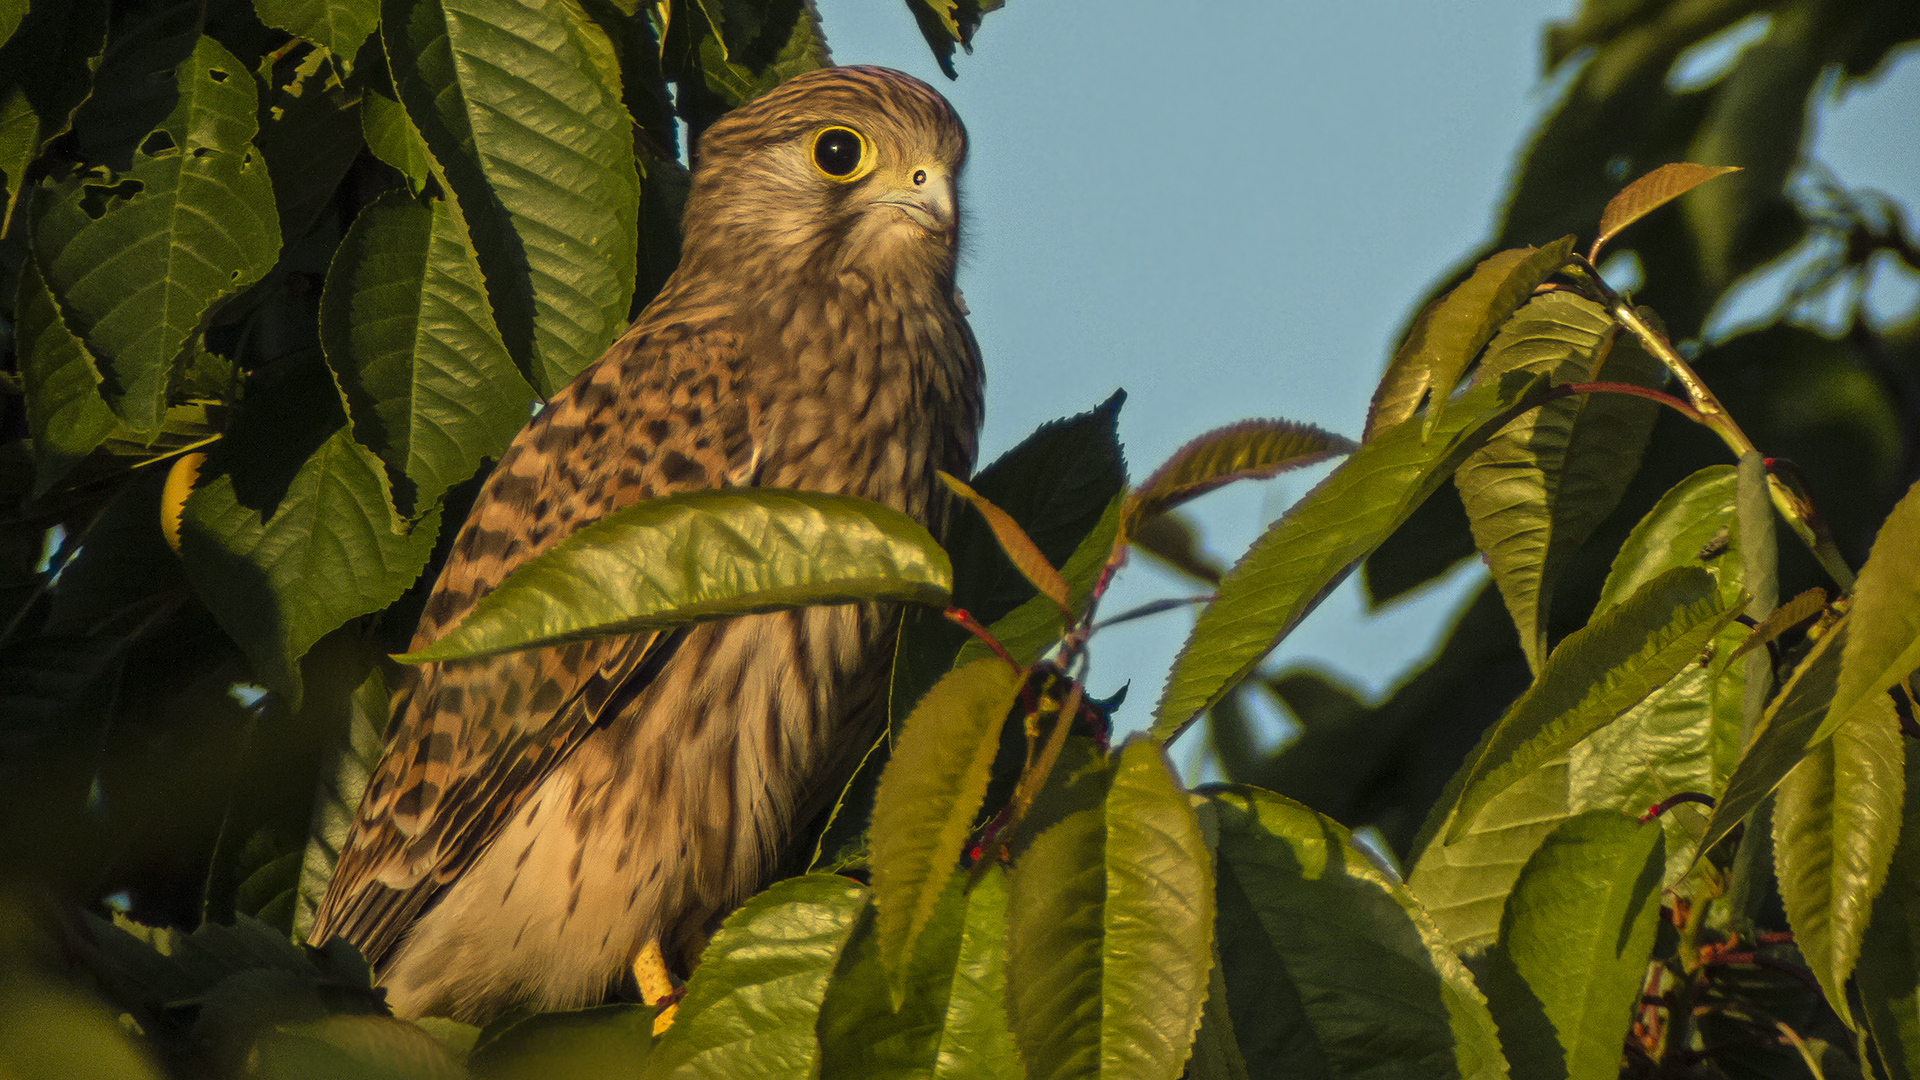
(1834, 827)
(1649, 193)
(1251, 449)
(1306, 553)
(1597, 673)
(1564, 980)
(1451, 331)
(1883, 646)
(928, 799)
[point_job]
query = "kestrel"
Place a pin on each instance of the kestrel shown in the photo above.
(539, 818)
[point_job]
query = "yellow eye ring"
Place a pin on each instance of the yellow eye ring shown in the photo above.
(841, 153)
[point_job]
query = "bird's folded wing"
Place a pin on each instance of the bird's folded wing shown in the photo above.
(472, 739)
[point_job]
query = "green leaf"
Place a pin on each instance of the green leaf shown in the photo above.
(699, 556)
(608, 1041)
(344, 771)
(1536, 491)
(1685, 736)
(496, 86)
(946, 23)
(952, 1022)
(1463, 885)
(138, 258)
(1331, 967)
(393, 139)
(1649, 193)
(1056, 484)
(1834, 827)
(339, 26)
(751, 1006)
(46, 70)
(1306, 553)
(1781, 740)
(363, 1047)
(428, 384)
(1110, 931)
(278, 576)
(790, 43)
(1888, 974)
(1029, 630)
(1564, 980)
(1883, 646)
(1451, 331)
(928, 799)
(1216, 1056)
(311, 136)
(1059, 484)
(1251, 449)
(1597, 673)
(66, 415)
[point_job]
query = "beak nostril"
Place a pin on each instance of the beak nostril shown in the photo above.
(919, 177)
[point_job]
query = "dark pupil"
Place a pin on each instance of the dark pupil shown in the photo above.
(837, 152)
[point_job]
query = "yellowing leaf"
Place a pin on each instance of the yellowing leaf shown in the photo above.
(1020, 548)
(1649, 193)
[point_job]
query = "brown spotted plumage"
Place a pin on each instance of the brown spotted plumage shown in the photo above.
(539, 817)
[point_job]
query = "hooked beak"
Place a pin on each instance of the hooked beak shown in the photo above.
(926, 197)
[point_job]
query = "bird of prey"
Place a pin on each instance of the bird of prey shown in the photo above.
(538, 818)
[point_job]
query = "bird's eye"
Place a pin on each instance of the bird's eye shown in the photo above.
(839, 151)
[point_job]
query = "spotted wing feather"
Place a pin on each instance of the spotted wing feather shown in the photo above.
(470, 739)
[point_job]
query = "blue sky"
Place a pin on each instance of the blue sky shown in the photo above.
(1229, 214)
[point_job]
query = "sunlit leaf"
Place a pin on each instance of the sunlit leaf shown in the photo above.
(1597, 673)
(1251, 449)
(340, 26)
(428, 384)
(1306, 553)
(1538, 489)
(1564, 980)
(928, 799)
(1783, 618)
(699, 556)
(1649, 193)
(751, 1006)
(1685, 736)
(1451, 331)
(1019, 547)
(1780, 741)
(1888, 973)
(1835, 823)
(494, 85)
(1883, 645)
(278, 577)
(1110, 931)
(1331, 967)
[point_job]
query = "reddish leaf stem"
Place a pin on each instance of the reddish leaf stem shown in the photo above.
(1668, 400)
(972, 626)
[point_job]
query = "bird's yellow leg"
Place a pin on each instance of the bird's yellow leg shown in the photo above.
(656, 984)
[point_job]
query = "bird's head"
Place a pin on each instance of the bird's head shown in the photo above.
(849, 167)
